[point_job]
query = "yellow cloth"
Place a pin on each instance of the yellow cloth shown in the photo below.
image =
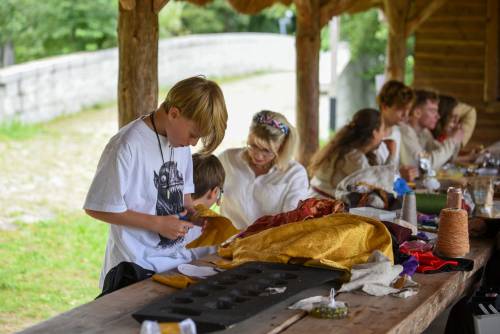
(217, 229)
(174, 280)
(339, 241)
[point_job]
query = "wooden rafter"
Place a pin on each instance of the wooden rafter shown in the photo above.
(331, 8)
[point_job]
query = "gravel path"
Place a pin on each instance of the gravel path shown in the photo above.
(51, 172)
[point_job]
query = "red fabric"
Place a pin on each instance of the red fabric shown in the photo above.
(309, 208)
(428, 261)
(442, 138)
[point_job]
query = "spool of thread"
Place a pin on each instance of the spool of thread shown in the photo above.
(453, 234)
(454, 198)
(409, 209)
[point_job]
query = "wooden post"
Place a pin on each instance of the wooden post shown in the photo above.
(307, 62)
(396, 57)
(401, 26)
(138, 59)
(396, 13)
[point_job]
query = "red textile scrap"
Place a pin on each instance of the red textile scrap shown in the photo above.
(428, 261)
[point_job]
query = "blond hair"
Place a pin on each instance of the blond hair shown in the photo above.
(201, 100)
(273, 131)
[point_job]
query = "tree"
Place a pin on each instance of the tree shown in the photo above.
(39, 29)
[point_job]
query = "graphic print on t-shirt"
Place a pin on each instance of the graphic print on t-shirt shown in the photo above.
(169, 201)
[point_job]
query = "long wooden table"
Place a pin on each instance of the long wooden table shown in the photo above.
(112, 313)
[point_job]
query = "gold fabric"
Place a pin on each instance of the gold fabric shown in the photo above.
(217, 229)
(174, 280)
(337, 241)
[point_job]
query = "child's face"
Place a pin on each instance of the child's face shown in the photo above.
(394, 115)
(181, 131)
(213, 196)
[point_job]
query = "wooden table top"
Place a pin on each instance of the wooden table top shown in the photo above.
(367, 314)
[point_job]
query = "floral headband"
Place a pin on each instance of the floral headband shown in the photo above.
(264, 119)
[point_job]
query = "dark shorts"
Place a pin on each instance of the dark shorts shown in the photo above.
(124, 274)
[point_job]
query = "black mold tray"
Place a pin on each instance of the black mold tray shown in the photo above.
(229, 297)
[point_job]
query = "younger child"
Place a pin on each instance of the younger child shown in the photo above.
(209, 176)
(144, 180)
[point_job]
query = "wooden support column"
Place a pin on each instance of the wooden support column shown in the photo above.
(307, 49)
(396, 13)
(138, 58)
(403, 19)
(396, 57)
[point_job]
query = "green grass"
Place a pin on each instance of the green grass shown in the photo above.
(48, 268)
(17, 130)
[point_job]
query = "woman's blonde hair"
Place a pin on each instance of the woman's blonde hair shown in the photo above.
(273, 131)
(201, 100)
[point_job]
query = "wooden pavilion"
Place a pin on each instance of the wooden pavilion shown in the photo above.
(456, 52)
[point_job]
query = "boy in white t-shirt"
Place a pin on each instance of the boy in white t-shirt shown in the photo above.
(144, 180)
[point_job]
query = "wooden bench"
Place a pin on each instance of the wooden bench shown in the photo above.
(112, 313)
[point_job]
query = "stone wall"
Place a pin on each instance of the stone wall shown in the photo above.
(41, 90)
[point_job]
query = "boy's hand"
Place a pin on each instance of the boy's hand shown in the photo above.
(172, 227)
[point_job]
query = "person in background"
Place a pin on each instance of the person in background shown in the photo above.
(454, 114)
(262, 178)
(351, 149)
(394, 101)
(417, 140)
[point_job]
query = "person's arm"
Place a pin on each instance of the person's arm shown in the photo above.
(440, 153)
(410, 146)
(354, 161)
(391, 147)
(467, 116)
(168, 226)
(297, 191)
